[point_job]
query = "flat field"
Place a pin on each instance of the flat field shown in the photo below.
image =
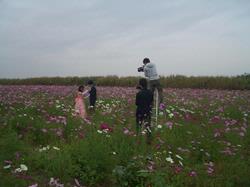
(202, 138)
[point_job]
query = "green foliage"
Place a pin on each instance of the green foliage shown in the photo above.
(241, 82)
(10, 144)
(91, 161)
(116, 158)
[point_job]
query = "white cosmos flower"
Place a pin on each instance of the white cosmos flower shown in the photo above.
(159, 126)
(171, 115)
(56, 148)
(169, 159)
(23, 167)
(99, 131)
(180, 163)
(179, 157)
(44, 149)
(18, 170)
(161, 113)
(7, 167)
(105, 131)
(148, 129)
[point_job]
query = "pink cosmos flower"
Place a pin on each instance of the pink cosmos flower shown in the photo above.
(192, 174)
(210, 170)
(81, 135)
(169, 124)
(44, 130)
(242, 134)
(34, 185)
(177, 169)
(158, 146)
(221, 109)
(8, 161)
(162, 106)
(217, 133)
(215, 119)
(243, 129)
(228, 151)
(105, 126)
(125, 131)
(59, 132)
(187, 117)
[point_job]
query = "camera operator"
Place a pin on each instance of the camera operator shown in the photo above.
(152, 76)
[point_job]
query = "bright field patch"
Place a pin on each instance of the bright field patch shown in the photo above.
(201, 139)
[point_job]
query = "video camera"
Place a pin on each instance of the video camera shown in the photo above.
(140, 69)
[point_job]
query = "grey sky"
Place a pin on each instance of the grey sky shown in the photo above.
(111, 37)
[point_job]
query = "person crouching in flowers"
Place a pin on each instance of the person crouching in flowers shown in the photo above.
(80, 108)
(144, 100)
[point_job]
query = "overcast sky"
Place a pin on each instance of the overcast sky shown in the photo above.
(111, 37)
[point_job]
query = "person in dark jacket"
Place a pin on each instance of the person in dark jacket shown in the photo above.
(144, 100)
(92, 94)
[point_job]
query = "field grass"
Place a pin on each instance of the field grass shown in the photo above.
(240, 82)
(201, 139)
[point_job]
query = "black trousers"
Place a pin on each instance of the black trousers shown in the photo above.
(92, 101)
(143, 119)
(153, 84)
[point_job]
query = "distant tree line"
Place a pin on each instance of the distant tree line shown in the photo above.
(241, 82)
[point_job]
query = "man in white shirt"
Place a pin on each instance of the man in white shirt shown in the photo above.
(152, 76)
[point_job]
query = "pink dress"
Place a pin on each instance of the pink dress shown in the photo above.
(80, 106)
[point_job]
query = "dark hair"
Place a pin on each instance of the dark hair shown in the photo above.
(81, 88)
(146, 60)
(90, 82)
(143, 83)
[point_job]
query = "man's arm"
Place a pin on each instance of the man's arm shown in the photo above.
(85, 94)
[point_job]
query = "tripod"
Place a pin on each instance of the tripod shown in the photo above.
(155, 109)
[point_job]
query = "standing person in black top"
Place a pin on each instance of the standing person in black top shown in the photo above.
(144, 100)
(92, 94)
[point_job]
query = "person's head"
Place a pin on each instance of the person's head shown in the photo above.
(146, 60)
(90, 82)
(143, 83)
(81, 88)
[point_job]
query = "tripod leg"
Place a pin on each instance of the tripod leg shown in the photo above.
(156, 105)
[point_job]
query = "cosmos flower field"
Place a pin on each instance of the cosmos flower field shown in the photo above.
(201, 139)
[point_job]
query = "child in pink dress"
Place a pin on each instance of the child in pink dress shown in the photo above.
(79, 102)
